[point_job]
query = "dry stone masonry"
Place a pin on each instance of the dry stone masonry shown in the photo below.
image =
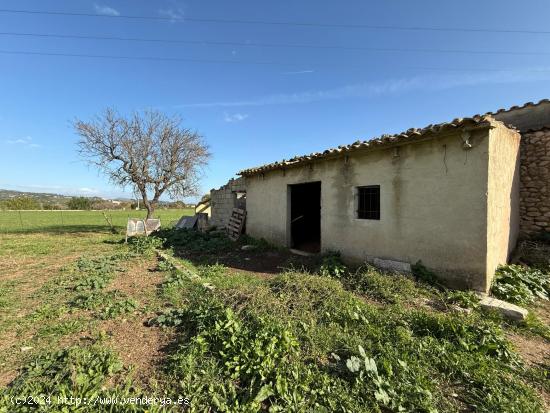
(535, 182)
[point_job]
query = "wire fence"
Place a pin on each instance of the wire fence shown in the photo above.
(78, 221)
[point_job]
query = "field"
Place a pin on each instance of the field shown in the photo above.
(77, 221)
(203, 325)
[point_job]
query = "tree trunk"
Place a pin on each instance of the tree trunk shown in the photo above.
(150, 210)
(150, 206)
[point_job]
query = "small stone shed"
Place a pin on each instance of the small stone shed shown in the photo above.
(456, 195)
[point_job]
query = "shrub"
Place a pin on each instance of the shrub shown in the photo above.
(22, 202)
(520, 285)
(80, 203)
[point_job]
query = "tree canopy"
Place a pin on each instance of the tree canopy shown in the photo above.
(149, 151)
(80, 202)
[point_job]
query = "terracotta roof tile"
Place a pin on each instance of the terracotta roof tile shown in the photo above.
(525, 105)
(385, 140)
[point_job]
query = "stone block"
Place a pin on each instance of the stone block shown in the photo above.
(508, 310)
(390, 265)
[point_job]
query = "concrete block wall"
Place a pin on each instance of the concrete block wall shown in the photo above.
(224, 199)
(535, 182)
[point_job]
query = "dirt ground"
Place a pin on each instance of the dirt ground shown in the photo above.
(261, 263)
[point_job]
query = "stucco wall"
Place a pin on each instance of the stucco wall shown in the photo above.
(433, 205)
(503, 197)
(535, 182)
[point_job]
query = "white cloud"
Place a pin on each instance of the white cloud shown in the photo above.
(25, 142)
(88, 190)
(17, 141)
(105, 10)
(389, 87)
(173, 15)
(236, 117)
(174, 12)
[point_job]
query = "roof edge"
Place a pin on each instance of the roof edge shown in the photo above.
(384, 141)
(516, 107)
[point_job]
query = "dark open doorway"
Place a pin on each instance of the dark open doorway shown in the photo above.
(305, 217)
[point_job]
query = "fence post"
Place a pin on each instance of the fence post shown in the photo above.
(62, 224)
(20, 219)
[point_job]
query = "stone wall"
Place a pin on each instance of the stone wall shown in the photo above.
(535, 182)
(224, 199)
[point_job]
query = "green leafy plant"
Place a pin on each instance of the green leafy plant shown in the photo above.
(468, 333)
(118, 308)
(520, 285)
(172, 317)
(95, 281)
(106, 305)
(95, 274)
(211, 271)
(536, 326)
(165, 265)
(332, 265)
(464, 299)
(386, 287)
(194, 241)
(390, 388)
(76, 371)
(424, 274)
(145, 245)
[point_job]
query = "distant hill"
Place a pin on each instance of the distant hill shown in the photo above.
(61, 201)
(39, 196)
(6, 194)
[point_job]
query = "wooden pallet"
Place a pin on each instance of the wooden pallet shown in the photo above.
(236, 223)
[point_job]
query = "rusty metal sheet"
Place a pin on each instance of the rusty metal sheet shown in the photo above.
(152, 225)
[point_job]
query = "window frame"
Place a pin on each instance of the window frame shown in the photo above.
(374, 212)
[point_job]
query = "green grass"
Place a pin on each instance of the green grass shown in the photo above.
(300, 342)
(325, 341)
(76, 221)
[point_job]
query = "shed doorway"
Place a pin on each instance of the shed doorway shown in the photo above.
(305, 217)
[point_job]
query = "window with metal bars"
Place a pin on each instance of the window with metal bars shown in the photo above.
(368, 205)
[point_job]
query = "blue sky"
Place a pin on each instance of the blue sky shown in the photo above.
(259, 104)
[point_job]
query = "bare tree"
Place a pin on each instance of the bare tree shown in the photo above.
(150, 151)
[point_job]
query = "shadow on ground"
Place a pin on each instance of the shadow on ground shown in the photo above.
(272, 261)
(61, 229)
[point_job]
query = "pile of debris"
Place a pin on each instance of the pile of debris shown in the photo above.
(199, 222)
